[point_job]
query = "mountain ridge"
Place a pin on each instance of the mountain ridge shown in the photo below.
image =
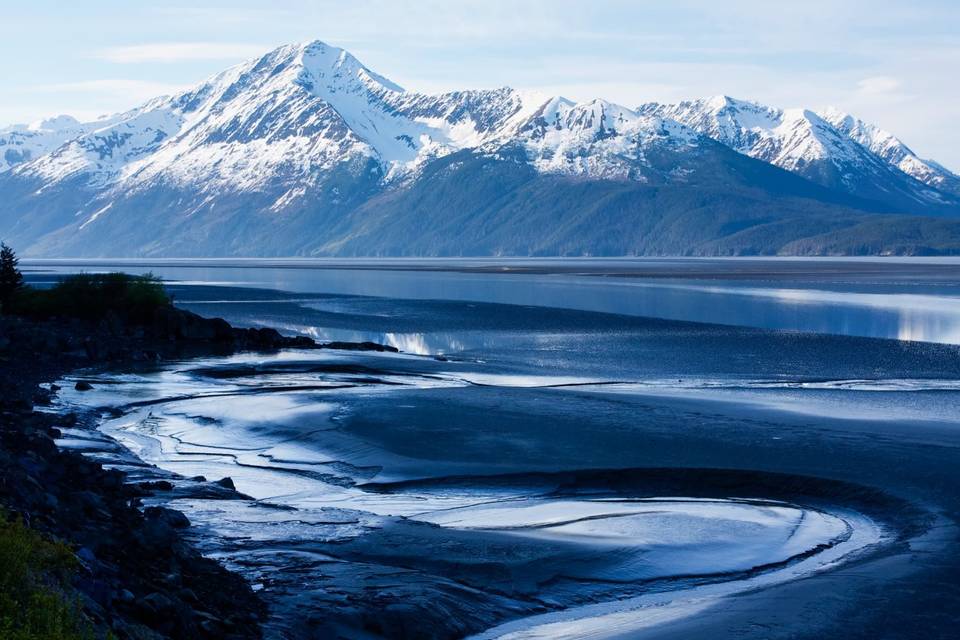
(293, 152)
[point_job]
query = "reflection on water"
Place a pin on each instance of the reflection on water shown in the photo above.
(922, 305)
(421, 344)
(417, 343)
(928, 318)
(926, 327)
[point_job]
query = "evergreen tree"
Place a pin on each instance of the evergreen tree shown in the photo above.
(10, 277)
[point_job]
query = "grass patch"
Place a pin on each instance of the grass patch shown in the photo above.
(34, 587)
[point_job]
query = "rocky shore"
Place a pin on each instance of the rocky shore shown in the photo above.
(136, 576)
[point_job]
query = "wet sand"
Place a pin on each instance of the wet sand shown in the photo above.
(404, 439)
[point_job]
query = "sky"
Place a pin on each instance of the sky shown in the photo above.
(893, 63)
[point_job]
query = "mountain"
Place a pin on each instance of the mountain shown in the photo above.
(305, 151)
(831, 148)
(889, 148)
(24, 142)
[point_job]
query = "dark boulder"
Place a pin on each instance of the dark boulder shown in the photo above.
(170, 517)
(360, 346)
(155, 485)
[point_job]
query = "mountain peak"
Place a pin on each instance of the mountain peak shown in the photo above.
(725, 103)
(54, 123)
(320, 59)
(719, 102)
(834, 115)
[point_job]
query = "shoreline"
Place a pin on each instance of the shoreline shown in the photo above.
(137, 574)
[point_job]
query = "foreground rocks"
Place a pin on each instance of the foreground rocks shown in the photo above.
(139, 578)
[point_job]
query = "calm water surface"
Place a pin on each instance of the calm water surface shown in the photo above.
(907, 299)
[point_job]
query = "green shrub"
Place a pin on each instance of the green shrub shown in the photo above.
(34, 587)
(93, 296)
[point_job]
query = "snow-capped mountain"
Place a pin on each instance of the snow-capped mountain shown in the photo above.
(830, 148)
(301, 111)
(307, 151)
(890, 148)
(24, 142)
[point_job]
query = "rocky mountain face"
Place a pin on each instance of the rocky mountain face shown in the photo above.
(889, 148)
(23, 142)
(830, 148)
(305, 151)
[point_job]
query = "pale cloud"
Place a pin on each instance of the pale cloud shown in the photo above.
(180, 52)
(878, 85)
(221, 15)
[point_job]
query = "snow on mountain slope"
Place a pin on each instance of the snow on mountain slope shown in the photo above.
(101, 152)
(297, 110)
(23, 142)
(893, 150)
(598, 139)
(806, 143)
(283, 121)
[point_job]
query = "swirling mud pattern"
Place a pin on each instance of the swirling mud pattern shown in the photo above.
(346, 517)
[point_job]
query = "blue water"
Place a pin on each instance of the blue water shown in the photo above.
(903, 299)
(529, 368)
